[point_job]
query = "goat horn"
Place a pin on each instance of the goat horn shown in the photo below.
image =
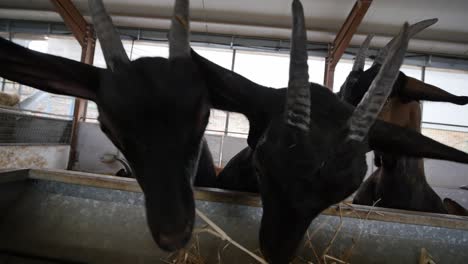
(412, 31)
(362, 54)
(358, 66)
(111, 45)
(373, 101)
(298, 98)
(418, 90)
(179, 34)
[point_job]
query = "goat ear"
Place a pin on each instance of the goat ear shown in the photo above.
(393, 139)
(454, 208)
(230, 91)
(47, 72)
(414, 89)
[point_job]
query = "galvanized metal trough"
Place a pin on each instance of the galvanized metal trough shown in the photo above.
(51, 216)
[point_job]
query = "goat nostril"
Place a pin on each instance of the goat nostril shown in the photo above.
(173, 242)
(165, 240)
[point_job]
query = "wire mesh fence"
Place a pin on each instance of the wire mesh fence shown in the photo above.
(18, 128)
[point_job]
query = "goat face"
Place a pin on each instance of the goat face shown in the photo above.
(313, 154)
(300, 175)
(283, 223)
(158, 123)
(358, 81)
(154, 110)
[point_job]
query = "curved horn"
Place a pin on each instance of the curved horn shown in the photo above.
(413, 30)
(418, 90)
(111, 45)
(179, 34)
(298, 98)
(358, 66)
(373, 101)
(360, 60)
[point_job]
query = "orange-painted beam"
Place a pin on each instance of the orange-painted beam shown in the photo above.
(343, 38)
(84, 34)
(72, 18)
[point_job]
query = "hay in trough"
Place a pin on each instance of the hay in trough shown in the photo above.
(188, 255)
(217, 231)
(325, 257)
(185, 257)
(191, 254)
(425, 257)
(7, 99)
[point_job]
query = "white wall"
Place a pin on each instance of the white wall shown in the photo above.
(91, 146)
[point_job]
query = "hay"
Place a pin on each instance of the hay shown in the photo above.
(218, 232)
(186, 257)
(9, 99)
(325, 257)
(309, 242)
(189, 255)
(425, 257)
(337, 231)
(349, 253)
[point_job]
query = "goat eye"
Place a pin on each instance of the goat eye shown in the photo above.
(323, 164)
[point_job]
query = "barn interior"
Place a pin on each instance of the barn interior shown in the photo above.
(68, 194)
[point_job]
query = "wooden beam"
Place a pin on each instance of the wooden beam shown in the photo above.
(329, 74)
(81, 105)
(343, 38)
(84, 34)
(72, 18)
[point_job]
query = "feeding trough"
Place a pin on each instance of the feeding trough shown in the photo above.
(51, 216)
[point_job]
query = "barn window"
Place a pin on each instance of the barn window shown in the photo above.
(42, 103)
(445, 122)
(343, 68)
(412, 71)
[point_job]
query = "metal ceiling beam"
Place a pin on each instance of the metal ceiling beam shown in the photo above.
(84, 34)
(343, 38)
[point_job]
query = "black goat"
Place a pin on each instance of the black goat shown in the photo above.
(307, 162)
(404, 91)
(309, 147)
(406, 88)
(154, 110)
(399, 182)
(239, 173)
